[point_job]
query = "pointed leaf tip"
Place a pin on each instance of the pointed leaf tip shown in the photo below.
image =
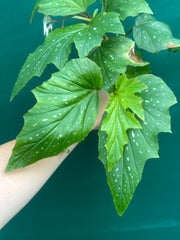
(51, 51)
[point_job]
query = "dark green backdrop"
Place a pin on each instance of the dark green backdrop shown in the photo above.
(76, 202)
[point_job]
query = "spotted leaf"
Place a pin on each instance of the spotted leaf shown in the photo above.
(66, 109)
(62, 7)
(126, 8)
(57, 46)
(123, 104)
(113, 57)
(55, 49)
(152, 35)
(92, 35)
(142, 143)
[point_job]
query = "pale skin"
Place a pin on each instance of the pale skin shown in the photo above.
(18, 187)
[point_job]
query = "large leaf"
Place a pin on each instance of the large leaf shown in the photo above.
(62, 7)
(57, 46)
(142, 143)
(152, 35)
(66, 109)
(113, 57)
(55, 49)
(92, 35)
(126, 8)
(119, 118)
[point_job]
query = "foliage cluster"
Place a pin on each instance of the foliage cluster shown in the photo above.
(68, 103)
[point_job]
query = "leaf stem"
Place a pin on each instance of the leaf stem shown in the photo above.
(82, 18)
(62, 20)
(129, 32)
(88, 14)
(82, 15)
(105, 37)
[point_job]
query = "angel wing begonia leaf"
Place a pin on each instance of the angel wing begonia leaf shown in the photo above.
(55, 49)
(142, 143)
(92, 35)
(126, 8)
(152, 35)
(67, 107)
(113, 57)
(62, 7)
(57, 46)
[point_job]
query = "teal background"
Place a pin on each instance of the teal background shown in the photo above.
(76, 202)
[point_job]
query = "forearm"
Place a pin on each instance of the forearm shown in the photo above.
(18, 187)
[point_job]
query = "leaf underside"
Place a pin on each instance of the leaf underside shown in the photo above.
(142, 143)
(67, 107)
(152, 35)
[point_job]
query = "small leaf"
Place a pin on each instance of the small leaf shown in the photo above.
(142, 143)
(174, 49)
(55, 49)
(67, 107)
(152, 35)
(113, 57)
(126, 8)
(63, 7)
(120, 118)
(92, 35)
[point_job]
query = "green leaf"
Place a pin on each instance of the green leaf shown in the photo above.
(176, 49)
(55, 49)
(63, 7)
(113, 57)
(133, 72)
(123, 104)
(142, 143)
(126, 8)
(57, 46)
(67, 107)
(92, 35)
(152, 35)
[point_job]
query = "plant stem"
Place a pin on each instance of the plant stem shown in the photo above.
(62, 20)
(129, 32)
(82, 15)
(88, 14)
(105, 37)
